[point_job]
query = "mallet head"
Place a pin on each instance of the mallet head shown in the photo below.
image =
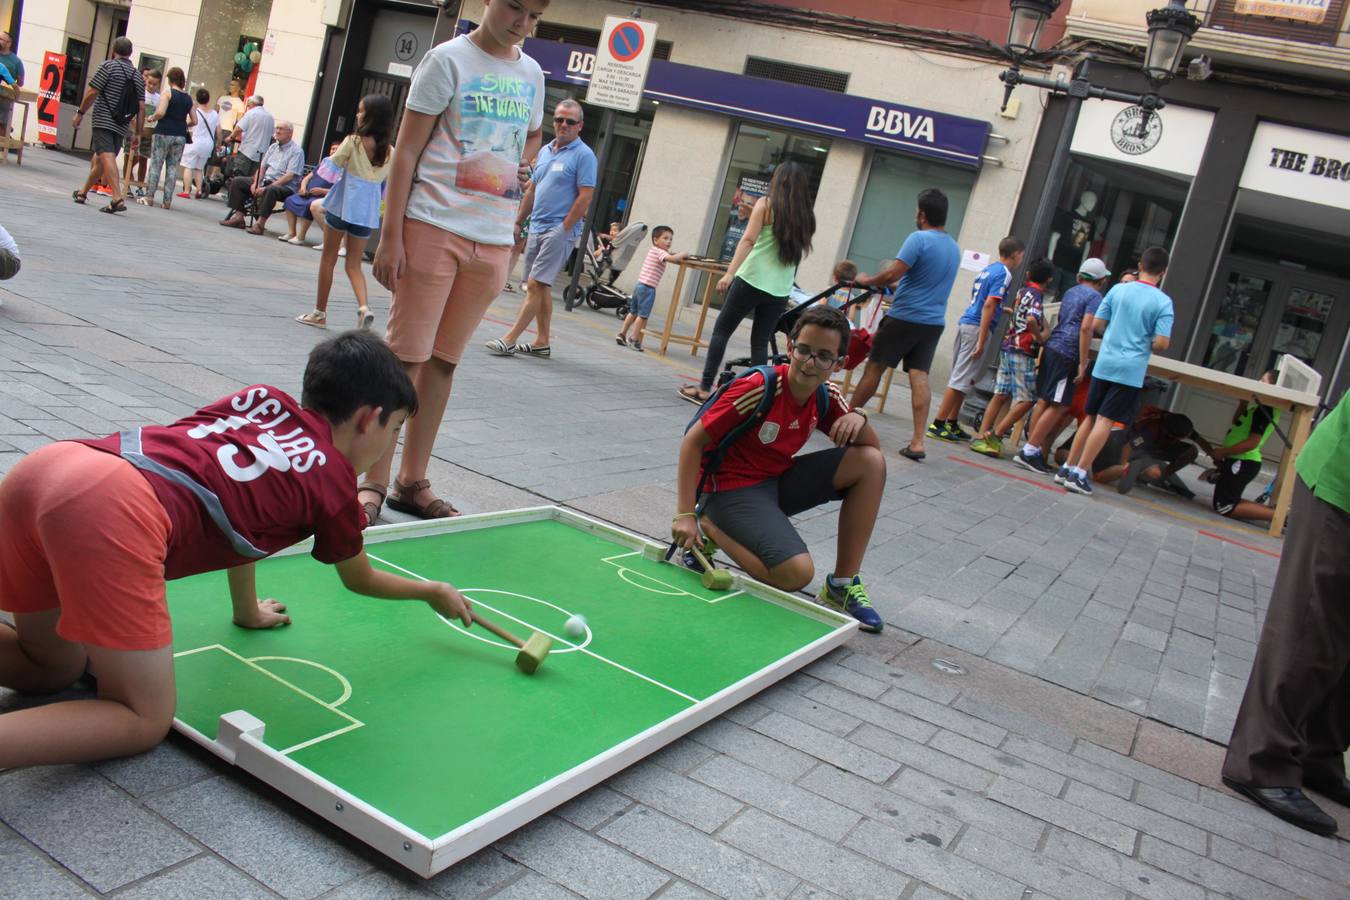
(717, 580)
(531, 656)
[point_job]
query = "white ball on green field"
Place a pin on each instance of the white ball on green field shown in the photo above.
(575, 627)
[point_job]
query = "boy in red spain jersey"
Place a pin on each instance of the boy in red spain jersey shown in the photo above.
(761, 481)
(91, 530)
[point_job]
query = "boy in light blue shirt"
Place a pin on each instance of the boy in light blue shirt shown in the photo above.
(972, 334)
(1137, 318)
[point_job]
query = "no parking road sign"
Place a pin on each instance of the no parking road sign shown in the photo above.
(621, 63)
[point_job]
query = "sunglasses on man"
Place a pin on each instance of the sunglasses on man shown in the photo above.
(563, 120)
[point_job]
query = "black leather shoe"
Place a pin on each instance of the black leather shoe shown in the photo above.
(1290, 804)
(1337, 789)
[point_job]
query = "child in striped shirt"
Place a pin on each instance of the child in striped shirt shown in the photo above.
(644, 295)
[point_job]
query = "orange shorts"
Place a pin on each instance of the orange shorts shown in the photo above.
(82, 531)
(446, 289)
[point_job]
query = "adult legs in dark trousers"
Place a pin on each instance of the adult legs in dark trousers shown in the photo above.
(742, 300)
(237, 190)
(1293, 727)
(267, 204)
(912, 344)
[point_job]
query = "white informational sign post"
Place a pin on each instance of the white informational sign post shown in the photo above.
(621, 63)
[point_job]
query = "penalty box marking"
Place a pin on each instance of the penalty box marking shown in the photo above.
(556, 638)
(672, 591)
(331, 707)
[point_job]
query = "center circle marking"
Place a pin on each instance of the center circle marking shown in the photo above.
(568, 645)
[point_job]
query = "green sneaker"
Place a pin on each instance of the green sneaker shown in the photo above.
(851, 599)
(990, 446)
(935, 430)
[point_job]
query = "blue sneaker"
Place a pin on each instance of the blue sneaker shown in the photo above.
(1079, 484)
(852, 599)
(1032, 463)
(1063, 475)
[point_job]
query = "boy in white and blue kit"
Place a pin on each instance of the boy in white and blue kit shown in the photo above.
(644, 295)
(1137, 319)
(972, 334)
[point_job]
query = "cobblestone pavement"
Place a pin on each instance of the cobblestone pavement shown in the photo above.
(1102, 640)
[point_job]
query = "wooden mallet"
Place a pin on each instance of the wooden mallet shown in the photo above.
(713, 579)
(532, 652)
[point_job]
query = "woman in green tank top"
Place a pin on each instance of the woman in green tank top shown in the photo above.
(760, 276)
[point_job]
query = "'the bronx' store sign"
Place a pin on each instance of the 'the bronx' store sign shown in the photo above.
(1294, 162)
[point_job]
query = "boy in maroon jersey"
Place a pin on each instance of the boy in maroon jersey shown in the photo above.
(761, 481)
(90, 530)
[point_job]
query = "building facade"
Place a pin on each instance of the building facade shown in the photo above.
(1242, 176)
(877, 100)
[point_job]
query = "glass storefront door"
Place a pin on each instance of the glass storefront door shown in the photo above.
(1265, 311)
(886, 214)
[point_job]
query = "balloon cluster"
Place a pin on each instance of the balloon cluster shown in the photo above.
(248, 57)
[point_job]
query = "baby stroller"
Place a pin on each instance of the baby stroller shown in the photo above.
(789, 318)
(600, 271)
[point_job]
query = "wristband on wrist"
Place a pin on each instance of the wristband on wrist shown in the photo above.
(683, 515)
(860, 411)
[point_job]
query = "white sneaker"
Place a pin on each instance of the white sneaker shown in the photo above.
(500, 347)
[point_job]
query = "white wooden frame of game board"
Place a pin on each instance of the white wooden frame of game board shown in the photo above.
(239, 741)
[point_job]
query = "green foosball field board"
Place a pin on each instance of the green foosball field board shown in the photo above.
(422, 738)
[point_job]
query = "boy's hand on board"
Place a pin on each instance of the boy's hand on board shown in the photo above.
(267, 614)
(450, 603)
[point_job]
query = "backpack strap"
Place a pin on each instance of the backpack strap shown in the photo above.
(737, 431)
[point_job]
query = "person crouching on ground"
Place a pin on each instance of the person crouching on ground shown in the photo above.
(88, 592)
(761, 481)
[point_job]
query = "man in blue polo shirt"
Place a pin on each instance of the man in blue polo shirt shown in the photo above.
(555, 204)
(925, 269)
(1137, 318)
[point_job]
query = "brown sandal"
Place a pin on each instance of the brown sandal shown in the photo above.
(372, 510)
(402, 500)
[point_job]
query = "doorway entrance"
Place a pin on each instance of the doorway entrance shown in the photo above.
(1265, 310)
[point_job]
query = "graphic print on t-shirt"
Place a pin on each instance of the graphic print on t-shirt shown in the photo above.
(494, 121)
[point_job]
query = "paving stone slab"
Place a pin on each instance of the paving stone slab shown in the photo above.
(696, 857)
(1213, 875)
(811, 857)
(1122, 870)
(580, 861)
(1063, 815)
(89, 826)
(791, 803)
(827, 747)
(26, 873)
(273, 844)
(1037, 871)
(966, 806)
(676, 795)
(208, 874)
(930, 864)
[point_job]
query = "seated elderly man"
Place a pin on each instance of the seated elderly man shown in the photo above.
(277, 177)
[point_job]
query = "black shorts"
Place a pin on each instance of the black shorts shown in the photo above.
(1234, 476)
(898, 341)
(1117, 402)
(756, 516)
(1111, 451)
(1054, 380)
(106, 141)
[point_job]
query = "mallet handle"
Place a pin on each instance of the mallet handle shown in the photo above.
(497, 630)
(707, 566)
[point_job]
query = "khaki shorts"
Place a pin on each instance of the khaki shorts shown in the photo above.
(446, 289)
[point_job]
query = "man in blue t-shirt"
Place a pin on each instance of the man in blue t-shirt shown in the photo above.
(1137, 321)
(972, 334)
(924, 271)
(1064, 362)
(555, 203)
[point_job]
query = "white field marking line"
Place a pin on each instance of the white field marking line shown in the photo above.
(591, 653)
(342, 679)
(355, 723)
(673, 592)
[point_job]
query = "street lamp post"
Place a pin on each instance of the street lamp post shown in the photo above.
(1169, 30)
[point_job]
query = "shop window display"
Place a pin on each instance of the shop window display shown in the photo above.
(1112, 212)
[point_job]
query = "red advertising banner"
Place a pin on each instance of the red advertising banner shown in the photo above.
(49, 95)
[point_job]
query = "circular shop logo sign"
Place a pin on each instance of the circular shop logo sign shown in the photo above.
(405, 47)
(1131, 135)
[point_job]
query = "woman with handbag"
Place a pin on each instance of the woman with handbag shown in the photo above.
(201, 145)
(172, 117)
